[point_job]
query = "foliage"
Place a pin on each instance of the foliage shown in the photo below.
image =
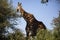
(6, 14)
(56, 31)
(4, 11)
(17, 35)
(44, 1)
(56, 22)
(44, 35)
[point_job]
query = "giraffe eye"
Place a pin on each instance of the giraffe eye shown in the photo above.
(17, 10)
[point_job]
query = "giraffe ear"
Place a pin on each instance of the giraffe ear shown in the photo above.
(18, 2)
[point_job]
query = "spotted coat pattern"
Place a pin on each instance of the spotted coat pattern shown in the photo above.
(32, 24)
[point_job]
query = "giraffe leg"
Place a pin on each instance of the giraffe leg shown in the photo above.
(27, 35)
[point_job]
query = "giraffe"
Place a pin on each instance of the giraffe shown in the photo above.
(32, 24)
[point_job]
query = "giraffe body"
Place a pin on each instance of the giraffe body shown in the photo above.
(32, 24)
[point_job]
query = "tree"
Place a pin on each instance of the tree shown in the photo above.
(56, 31)
(6, 13)
(7, 16)
(44, 35)
(17, 35)
(44, 1)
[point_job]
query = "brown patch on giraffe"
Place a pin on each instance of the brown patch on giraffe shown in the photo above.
(31, 20)
(29, 17)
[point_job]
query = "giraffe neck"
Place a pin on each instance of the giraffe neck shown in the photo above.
(29, 18)
(24, 13)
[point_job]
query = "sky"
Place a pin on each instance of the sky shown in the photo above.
(42, 12)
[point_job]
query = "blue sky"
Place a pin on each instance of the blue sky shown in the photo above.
(42, 12)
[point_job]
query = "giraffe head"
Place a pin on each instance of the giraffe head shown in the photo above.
(19, 7)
